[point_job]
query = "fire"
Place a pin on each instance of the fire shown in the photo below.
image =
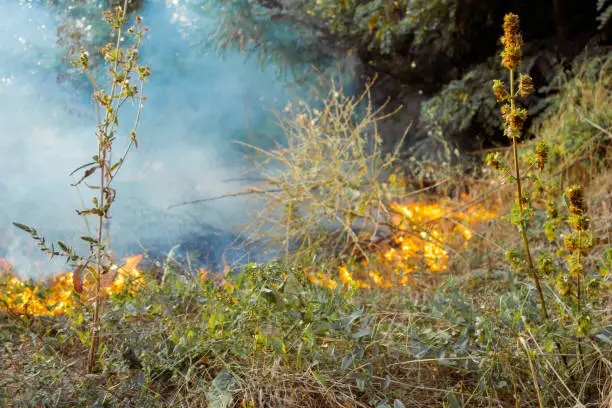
(57, 295)
(425, 235)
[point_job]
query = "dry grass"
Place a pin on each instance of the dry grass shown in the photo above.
(322, 185)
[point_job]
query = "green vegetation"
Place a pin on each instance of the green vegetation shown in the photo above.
(498, 328)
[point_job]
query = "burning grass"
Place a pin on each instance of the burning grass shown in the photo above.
(425, 235)
(57, 295)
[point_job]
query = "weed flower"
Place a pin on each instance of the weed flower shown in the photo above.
(525, 87)
(501, 94)
(551, 209)
(515, 120)
(541, 155)
(512, 42)
(580, 222)
(575, 194)
(570, 242)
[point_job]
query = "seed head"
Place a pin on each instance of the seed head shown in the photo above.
(579, 222)
(576, 270)
(501, 94)
(511, 25)
(513, 256)
(541, 155)
(514, 118)
(564, 285)
(579, 241)
(525, 87)
(524, 199)
(575, 194)
(546, 264)
(505, 110)
(539, 188)
(512, 42)
(550, 230)
(551, 209)
(571, 242)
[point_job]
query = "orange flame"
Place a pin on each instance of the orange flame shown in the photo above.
(425, 234)
(57, 295)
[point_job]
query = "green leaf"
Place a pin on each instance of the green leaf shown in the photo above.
(319, 379)
(453, 402)
(63, 246)
(25, 228)
(360, 381)
(211, 324)
(220, 395)
(91, 240)
(270, 295)
(356, 314)
(279, 345)
(85, 165)
(364, 331)
(549, 345)
(387, 382)
(116, 165)
(347, 361)
(398, 404)
(604, 338)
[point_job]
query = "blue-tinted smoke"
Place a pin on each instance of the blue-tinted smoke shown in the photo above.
(197, 105)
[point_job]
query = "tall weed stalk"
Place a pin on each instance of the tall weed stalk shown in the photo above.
(514, 119)
(126, 83)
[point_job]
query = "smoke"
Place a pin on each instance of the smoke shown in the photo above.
(197, 105)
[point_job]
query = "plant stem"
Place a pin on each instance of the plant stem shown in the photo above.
(579, 299)
(95, 330)
(522, 227)
(104, 151)
(534, 377)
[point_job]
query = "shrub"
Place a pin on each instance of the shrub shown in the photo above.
(321, 196)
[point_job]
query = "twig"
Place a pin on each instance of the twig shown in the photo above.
(533, 372)
(595, 125)
(238, 194)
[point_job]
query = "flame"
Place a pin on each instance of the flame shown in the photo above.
(425, 234)
(319, 278)
(203, 275)
(57, 295)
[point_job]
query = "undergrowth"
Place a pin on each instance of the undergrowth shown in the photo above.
(269, 337)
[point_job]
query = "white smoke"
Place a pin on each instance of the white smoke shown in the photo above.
(195, 108)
